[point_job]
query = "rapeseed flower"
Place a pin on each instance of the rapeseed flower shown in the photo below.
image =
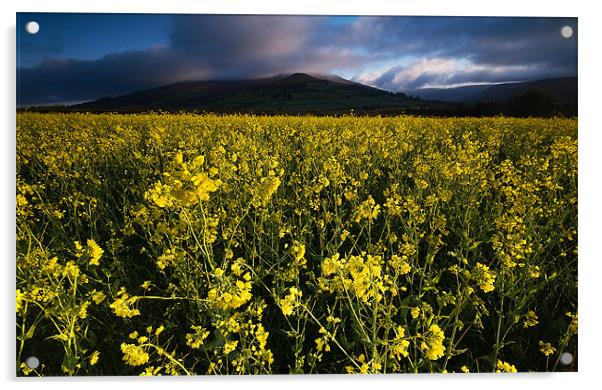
(291, 301)
(95, 252)
(530, 319)
(122, 306)
(399, 345)
(502, 366)
(546, 348)
(94, 358)
(134, 355)
(195, 339)
(484, 277)
(433, 343)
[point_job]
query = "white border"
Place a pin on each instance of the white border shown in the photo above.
(313, 7)
(590, 217)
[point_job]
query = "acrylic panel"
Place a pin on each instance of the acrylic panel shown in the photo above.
(295, 194)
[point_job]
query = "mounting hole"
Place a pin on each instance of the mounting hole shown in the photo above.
(566, 32)
(566, 358)
(32, 27)
(32, 362)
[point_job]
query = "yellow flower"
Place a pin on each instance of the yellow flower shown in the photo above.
(264, 191)
(290, 302)
(464, 369)
(298, 250)
(262, 336)
(24, 369)
(319, 344)
(368, 209)
(206, 186)
(230, 346)
(364, 368)
(71, 270)
(505, 367)
(330, 265)
(151, 371)
(122, 305)
(94, 358)
(534, 272)
(422, 184)
(83, 310)
(400, 265)
(344, 235)
(195, 339)
(146, 284)
(530, 319)
(218, 272)
(95, 252)
(433, 343)
(134, 355)
(237, 267)
(376, 366)
(166, 259)
(546, 348)
(484, 277)
(415, 312)
(98, 297)
(20, 300)
(21, 201)
(399, 346)
(160, 194)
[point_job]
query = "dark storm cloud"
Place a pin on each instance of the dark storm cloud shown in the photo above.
(484, 40)
(233, 46)
(241, 45)
(57, 81)
(441, 51)
(462, 50)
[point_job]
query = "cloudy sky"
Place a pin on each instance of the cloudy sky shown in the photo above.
(78, 57)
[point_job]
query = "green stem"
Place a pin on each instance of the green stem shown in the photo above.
(499, 323)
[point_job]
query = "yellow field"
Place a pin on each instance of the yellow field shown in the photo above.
(185, 244)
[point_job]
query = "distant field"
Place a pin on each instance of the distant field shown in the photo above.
(207, 244)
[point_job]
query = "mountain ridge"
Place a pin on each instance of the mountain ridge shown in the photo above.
(293, 93)
(306, 93)
(564, 88)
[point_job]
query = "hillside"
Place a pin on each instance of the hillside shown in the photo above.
(565, 89)
(315, 94)
(297, 93)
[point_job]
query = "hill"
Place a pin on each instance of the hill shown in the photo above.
(297, 93)
(565, 89)
(316, 94)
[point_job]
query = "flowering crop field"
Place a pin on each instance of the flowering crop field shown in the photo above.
(164, 244)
